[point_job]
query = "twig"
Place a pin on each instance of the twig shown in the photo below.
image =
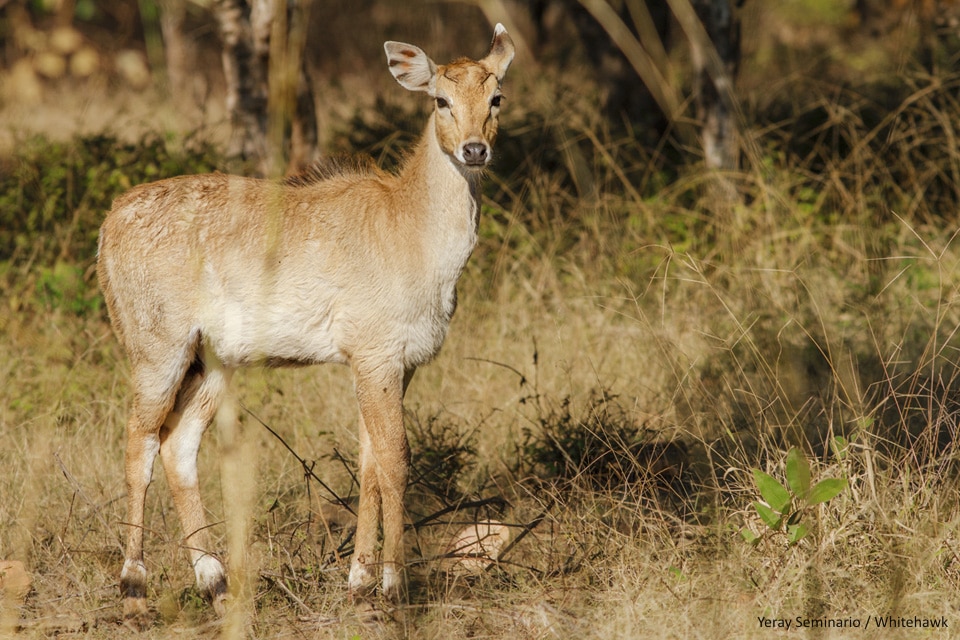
(78, 491)
(307, 468)
(343, 461)
(523, 378)
(527, 528)
(474, 504)
(278, 581)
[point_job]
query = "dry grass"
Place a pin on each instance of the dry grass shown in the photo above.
(606, 319)
(687, 354)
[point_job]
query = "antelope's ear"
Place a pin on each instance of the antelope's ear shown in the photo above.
(501, 52)
(412, 68)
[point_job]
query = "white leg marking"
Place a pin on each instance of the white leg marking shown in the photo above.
(209, 572)
(134, 572)
(151, 447)
(361, 577)
(193, 423)
(391, 580)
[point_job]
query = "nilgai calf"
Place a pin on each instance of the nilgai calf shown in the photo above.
(205, 274)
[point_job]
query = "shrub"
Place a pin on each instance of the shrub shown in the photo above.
(603, 448)
(53, 195)
(53, 198)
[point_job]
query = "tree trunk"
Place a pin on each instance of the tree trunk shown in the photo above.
(715, 83)
(246, 78)
(177, 49)
(268, 89)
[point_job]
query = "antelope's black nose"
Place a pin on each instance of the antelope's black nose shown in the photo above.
(475, 153)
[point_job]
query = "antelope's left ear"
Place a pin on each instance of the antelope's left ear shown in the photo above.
(501, 52)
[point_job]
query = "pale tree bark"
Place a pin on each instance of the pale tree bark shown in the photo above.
(715, 99)
(713, 29)
(294, 120)
(268, 89)
(246, 79)
(175, 48)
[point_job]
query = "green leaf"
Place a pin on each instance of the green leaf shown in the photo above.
(826, 490)
(770, 517)
(839, 445)
(796, 533)
(773, 493)
(749, 536)
(798, 472)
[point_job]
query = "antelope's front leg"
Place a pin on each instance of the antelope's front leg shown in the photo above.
(363, 573)
(384, 461)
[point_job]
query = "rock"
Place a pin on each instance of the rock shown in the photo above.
(477, 546)
(132, 66)
(50, 64)
(22, 83)
(14, 580)
(65, 40)
(85, 62)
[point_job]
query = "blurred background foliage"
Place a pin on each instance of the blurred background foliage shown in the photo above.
(853, 103)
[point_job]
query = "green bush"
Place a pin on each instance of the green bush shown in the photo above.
(53, 198)
(54, 195)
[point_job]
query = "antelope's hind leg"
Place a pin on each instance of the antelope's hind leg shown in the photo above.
(152, 402)
(200, 395)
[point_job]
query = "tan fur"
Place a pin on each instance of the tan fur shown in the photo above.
(204, 274)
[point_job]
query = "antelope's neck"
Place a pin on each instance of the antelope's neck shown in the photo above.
(446, 199)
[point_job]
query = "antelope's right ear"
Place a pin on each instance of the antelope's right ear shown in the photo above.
(412, 68)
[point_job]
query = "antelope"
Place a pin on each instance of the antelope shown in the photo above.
(350, 264)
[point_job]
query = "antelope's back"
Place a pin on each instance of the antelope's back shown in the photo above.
(264, 271)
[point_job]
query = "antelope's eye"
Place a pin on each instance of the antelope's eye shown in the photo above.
(495, 101)
(442, 103)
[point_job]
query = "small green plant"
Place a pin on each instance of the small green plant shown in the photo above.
(783, 507)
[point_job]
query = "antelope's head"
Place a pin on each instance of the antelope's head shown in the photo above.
(466, 93)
